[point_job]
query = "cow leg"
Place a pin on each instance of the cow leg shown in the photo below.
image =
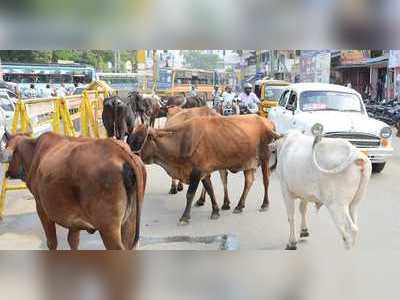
(266, 174)
(209, 188)
(341, 217)
(73, 238)
(303, 210)
(224, 178)
(202, 198)
(111, 237)
(195, 177)
(180, 186)
(173, 189)
(249, 179)
(290, 209)
(49, 228)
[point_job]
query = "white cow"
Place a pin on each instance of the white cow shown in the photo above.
(330, 172)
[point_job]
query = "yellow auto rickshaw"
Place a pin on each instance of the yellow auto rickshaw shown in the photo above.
(271, 91)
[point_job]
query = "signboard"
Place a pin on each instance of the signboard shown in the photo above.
(350, 57)
(315, 66)
(394, 58)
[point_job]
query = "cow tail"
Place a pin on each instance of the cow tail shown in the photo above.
(351, 158)
(134, 174)
(366, 169)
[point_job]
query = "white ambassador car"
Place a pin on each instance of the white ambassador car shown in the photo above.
(340, 111)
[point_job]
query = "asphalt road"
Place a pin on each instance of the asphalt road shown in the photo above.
(379, 222)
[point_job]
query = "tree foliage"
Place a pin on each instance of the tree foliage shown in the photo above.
(201, 60)
(97, 58)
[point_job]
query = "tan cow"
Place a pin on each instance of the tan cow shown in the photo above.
(81, 184)
(177, 115)
(191, 151)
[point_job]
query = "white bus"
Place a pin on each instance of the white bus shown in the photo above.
(120, 81)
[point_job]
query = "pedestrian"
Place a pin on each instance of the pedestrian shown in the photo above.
(61, 92)
(379, 89)
(47, 92)
(32, 91)
(193, 92)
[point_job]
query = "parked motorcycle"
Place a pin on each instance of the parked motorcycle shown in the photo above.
(386, 111)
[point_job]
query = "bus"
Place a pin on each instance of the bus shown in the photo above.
(120, 81)
(179, 81)
(42, 74)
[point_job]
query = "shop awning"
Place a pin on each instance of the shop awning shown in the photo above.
(380, 61)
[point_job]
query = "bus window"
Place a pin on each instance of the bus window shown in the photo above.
(66, 78)
(27, 79)
(55, 78)
(42, 78)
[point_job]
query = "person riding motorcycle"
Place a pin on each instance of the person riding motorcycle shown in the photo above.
(249, 101)
(228, 102)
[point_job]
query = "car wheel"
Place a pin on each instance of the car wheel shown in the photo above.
(378, 167)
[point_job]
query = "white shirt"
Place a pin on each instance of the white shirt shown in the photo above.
(228, 97)
(249, 99)
(46, 93)
(61, 92)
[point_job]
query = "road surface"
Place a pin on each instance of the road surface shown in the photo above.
(379, 221)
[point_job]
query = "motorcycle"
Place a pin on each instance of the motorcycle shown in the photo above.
(230, 108)
(247, 110)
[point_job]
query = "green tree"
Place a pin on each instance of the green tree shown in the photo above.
(199, 60)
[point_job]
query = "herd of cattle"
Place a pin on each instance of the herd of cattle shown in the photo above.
(99, 184)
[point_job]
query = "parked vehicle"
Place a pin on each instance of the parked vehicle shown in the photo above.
(271, 91)
(8, 108)
(342, 114)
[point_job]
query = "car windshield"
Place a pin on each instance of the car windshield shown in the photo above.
(273, 92)
(324, 100)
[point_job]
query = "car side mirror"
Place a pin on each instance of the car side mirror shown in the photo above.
(290, 107)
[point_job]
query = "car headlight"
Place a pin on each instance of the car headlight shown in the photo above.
(386, 132)
(317, 129)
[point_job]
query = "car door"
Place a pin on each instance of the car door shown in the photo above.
(288, 116)
(276, 114)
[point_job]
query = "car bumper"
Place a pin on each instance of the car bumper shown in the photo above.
(378, 155)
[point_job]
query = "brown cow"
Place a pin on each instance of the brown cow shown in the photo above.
(177, 115)
(146, 106)
(191, 151)
(81, 184)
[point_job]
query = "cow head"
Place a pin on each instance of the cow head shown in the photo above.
(13, 155)
(141, 142)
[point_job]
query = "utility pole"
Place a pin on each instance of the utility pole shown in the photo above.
(155, 69)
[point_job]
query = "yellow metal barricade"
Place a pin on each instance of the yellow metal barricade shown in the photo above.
(89, 105)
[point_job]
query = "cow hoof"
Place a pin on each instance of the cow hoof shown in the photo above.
(291, 247)
(263, 208)
(304, 233)
(214, 215)
(180, 187)
(184, 221)
(238, 210)
(173, 191)
(226, 207)
(199, 203)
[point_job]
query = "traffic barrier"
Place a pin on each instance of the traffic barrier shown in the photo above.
(36, 116)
